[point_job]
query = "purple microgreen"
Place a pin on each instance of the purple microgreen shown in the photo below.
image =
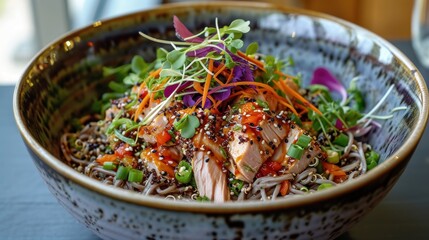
(191, 100)
(176, 88)
(183, 33)
(324, 77)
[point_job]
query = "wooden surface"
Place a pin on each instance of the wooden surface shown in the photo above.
(389, 19)
(29, 211)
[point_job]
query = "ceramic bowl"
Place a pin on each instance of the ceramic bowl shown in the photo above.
(64, 79)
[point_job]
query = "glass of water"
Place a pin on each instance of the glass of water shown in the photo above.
(420, 30)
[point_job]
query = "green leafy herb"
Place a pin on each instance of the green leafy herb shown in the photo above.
(252, 48)
(324, 186)
(238, 25)
(187, 125)
(176, 58)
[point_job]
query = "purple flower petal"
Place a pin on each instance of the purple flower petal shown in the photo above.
(322, 76)
(182, 32)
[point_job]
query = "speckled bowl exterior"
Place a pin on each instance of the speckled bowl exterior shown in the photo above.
(63, 79)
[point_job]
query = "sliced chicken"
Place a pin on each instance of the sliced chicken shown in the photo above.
(251, 147)
(211, 181)
(296, 165)
(203, 142)
(248, 158)
(149, 132)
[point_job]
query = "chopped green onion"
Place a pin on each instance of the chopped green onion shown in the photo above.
(262, 103)
(324, 186)
(203, 199)
(235, 186)
(236, 127)
(184, 172)
(333, 156)
(223, 152)
(341, 140)
(303, 141)
(135, 175)
(295, 151)
(372, 158)
(109, 166)
(304, 189)
(122, 173)
(296, 119)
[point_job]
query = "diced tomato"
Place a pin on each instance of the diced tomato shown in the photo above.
(247, 107)
(276, 166)
(163, 137)
(107, 158)
(252, 118)
(123, 150)
(143, 93)
(268, 168)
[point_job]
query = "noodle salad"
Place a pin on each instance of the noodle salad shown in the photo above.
(207, 121)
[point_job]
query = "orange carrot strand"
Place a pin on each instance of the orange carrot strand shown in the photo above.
(207, 83)
(141, 106)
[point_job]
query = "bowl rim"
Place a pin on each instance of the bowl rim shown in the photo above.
(403, 154)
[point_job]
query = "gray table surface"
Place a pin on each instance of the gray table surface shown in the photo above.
(29, 211)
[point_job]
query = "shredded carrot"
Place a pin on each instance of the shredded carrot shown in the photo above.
(293, 93)
(142, 105)
(259, 64)
(198, 88)
(219, 70)
(207, 83)
(333, 169)
(266, 87)
(284, 187)
(230, 76)
(141, 87)
(156, 72)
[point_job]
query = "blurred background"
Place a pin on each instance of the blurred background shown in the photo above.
(28, 25)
